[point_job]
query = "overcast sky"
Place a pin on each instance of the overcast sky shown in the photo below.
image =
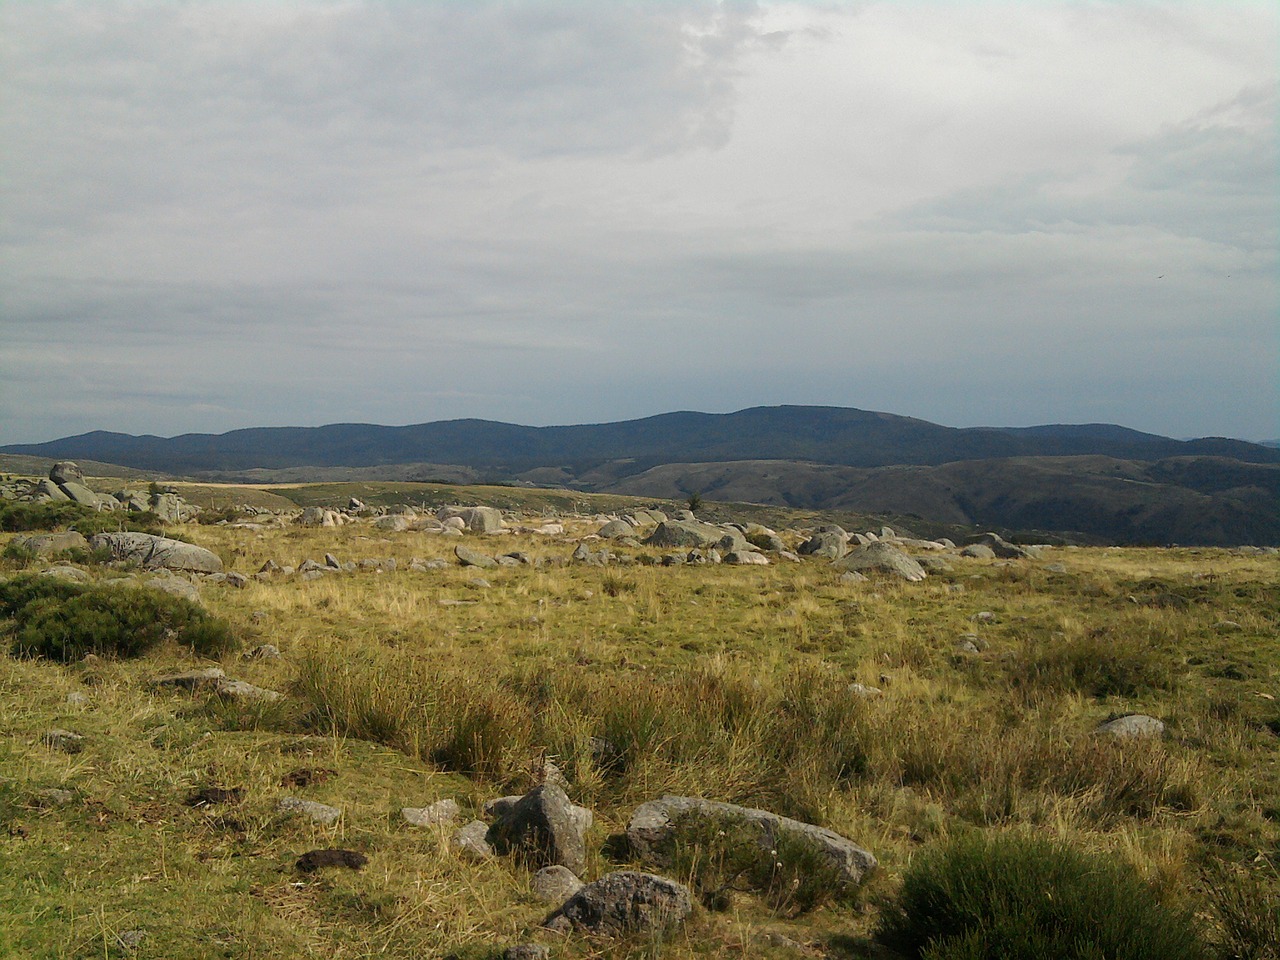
(228, 214)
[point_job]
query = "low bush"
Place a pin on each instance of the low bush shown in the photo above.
(1028, 899)
(1246, 904)
(21, 516)
(64, 621)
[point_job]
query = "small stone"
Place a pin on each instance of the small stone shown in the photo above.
(527, 951)
(66, 741)
(865, 692)
(1135, 725)
(242, 690)
(470, 842)
(237, 580)
(192, 679)
(438, 813)
(130, 940)
(555, 884)
(318, 812)
(264, 651)
(53, 797)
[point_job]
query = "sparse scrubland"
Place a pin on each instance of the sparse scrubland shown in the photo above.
(1002, 820)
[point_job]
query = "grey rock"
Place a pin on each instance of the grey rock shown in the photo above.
(852, 577)
(746, 558)
(130, 940)
(978, 551)
(555, 884)
(48, 490)
(499, 807)
(436, 814)
(1001, 547)
(237, 580)
(242, 690)
(65, 741)
(614, 529)
(50, 544)
(263, 651)
(652, 822)
(174, 586)
(470, 841)
(527, 951)
(1134, 726)
(331, 561)
(74, 574)
(66, 471)
(269, 567)
(544, 826)
(191, 679)
(624, 902)
(81, 494)
(154, 553)
(321, 813)
(472, 558)
(684, 533)
(829, 544)
(392, 524)
(865, 692)
(475, 519)
(881, 558)
(53, 797)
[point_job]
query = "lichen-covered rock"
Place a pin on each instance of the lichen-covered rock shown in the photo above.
(321, 813)
(555, 884)
(881, 558)
(624, 902)
(1134, 726)
(654, 821)
(434, 814)
(545, 826)
(154, 553)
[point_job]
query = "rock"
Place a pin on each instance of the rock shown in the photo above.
(882, 558)
(50, 544)
(153, 553)
(829, 544)
(475, 519)
(81, 494)
(863, 691)
(66, 471)
(394, 524)
(130, 940)
(191, 679)
(746, 558)
(321, 813)
(1001, 547)
(66, 741)
(853, 577)
(472, 558)
(614, 529)
(683, 533)
(546, 827)
(74, 574)
(318, 859)
(263, 651)
(978, 551)
(555, 884)
(53, 797)
(499, 807)
(241, 690)
(269, 567)
(470, 841)
(76, 699)
(624, 902)
(437, 814)
(652, 823)
(1133, 726)
(48, 490)
(527, 951)
(174, 586)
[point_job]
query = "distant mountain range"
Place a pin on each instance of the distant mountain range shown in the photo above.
(1102, 480)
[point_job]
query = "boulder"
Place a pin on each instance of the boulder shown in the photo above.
(318, 812)
(546, 827)
(65, 741)
(746, 558)
(614, 529)
(475, 519)
(1001, 547)
(66, 471)
(978, 551)
(473, 558)
(436, 814)
(624, 902)
(881, 558)
(48, 490)
(684, 533)
(653, 822)
(153, 553)
(470, 841)
(829, 544)
(81, 494)
(243, 690)
(392, 524)
(174, 586)
(49, 544)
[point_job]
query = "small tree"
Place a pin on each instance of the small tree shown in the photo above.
(695, 501)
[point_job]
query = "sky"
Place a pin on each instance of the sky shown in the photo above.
(220, 214)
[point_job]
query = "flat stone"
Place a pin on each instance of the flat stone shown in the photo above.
(318, 812)
(470, 842)
(473, 558)
(192, 679)
(66, 741)
(1134, 726)
(242, 690)
(435, 814)
(555, 884)
(622, 903)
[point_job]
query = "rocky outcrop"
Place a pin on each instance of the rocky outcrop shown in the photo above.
(475, 519)
(154, 553)
(684, 533)
(653, 822)
(881, 557)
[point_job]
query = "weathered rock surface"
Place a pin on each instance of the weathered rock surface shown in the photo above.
(881, 558)
(473, 558)
(318, 812)
(476, 519)
(435, 814)
(833, 544)
(614, 529)
(154, 553)
(653, 822)
(546, 827)
(49, 544)
(470, 842)
(1134, 726)
(65, 741)
(684, 533)
(555, 884)
(624, 902)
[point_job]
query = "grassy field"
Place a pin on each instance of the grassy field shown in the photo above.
(726, 682)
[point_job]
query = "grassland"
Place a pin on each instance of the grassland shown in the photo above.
(726, 682)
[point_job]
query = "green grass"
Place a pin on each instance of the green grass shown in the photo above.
(730, 683)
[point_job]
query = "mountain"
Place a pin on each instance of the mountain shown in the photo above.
(833, 435)
(1096, 481)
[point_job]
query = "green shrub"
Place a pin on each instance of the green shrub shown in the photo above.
(20, 516)
(1027, 899)
(65, 621)
(720, 854)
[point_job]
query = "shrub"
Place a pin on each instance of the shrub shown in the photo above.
(1247, 908)
(20, 516)
(1028, 899)
(65, 621)
(719, 854)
